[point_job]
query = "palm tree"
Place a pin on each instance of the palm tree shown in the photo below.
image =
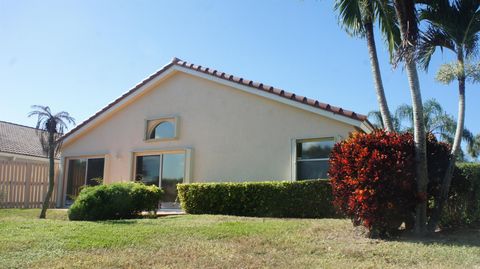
(474, 148)
(437, 121)
(51, 127)
(357, 18)
(406, 14)
(454, 25)
(375, 117)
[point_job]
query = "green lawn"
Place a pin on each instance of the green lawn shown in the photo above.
(218, 242)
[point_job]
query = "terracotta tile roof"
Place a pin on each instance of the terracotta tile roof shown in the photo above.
(19, 139)
(228, 77)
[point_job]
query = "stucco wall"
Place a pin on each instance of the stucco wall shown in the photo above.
(233, 135)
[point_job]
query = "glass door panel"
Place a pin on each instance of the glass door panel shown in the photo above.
(76, 177)
(173, 172)
(148, 169)
(95, 171)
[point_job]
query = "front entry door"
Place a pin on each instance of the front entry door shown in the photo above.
(163, 170)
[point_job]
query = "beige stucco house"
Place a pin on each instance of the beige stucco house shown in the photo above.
(188, 123)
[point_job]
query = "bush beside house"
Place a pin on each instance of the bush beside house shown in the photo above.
(301, 199)
(114, 201)
(463, 205)
(373, 181)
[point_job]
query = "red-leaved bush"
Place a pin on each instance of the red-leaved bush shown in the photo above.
(373, 178)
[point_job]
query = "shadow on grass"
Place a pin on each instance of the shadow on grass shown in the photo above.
(451, 237)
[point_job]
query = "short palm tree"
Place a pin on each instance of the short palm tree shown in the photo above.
(51, 127)
(437, 121)
(454, 25)
(358, 18)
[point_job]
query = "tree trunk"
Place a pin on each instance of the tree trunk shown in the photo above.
(377, 79)
(51, 175)
(420, 148)
(407, 20)
(447, 179)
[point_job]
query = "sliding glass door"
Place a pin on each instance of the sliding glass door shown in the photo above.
(83, 172)
(163, 170)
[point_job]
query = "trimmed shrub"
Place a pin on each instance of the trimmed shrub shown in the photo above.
(373, 178)
(463, 205)
(114, 201)
(300, 199)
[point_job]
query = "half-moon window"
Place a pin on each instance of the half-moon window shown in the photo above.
(163, 130)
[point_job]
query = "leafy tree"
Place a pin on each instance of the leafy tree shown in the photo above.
(357, 18)
(454, 25)
(51, 127)
(406, 14)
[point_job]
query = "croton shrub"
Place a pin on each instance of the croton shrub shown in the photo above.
(373, 178)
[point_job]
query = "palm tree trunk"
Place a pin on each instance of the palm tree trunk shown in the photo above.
(420, 147)
(407, 20)
(447, 179)
(377, 79)
(51, 176)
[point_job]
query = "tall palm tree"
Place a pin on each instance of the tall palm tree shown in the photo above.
(454, 25)
(51, 127)
(408, 23)
(357, 18)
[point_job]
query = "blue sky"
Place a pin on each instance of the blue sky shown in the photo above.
(78, 56)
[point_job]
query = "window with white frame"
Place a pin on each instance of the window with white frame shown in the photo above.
(312, 158)
(161, 129)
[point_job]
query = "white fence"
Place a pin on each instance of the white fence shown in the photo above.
(24, 184)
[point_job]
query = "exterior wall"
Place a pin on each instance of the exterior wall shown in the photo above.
(232, 135)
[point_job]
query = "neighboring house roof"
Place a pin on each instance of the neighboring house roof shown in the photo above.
(20, 140)
(184, 66)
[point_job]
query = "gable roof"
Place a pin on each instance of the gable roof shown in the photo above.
(20, 139)
(199, 70)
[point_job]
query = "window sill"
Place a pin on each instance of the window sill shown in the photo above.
(160, 140)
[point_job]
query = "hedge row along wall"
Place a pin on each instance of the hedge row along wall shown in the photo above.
(463, 206)
(301, 199)
(313, 198)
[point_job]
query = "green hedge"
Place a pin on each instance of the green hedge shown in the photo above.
(463, 206)
(114, 201)
(301, 199)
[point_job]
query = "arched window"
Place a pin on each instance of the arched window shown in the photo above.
(163, 130)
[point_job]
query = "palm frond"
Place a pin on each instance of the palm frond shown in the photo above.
(429, 41)
(375, 117)
(387, 21)
(50, 127)
(447, 73)
(350, 16)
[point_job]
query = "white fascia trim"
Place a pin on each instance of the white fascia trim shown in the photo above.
(120, 104)
(274, 97)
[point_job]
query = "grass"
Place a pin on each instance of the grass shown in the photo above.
(205, 241)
